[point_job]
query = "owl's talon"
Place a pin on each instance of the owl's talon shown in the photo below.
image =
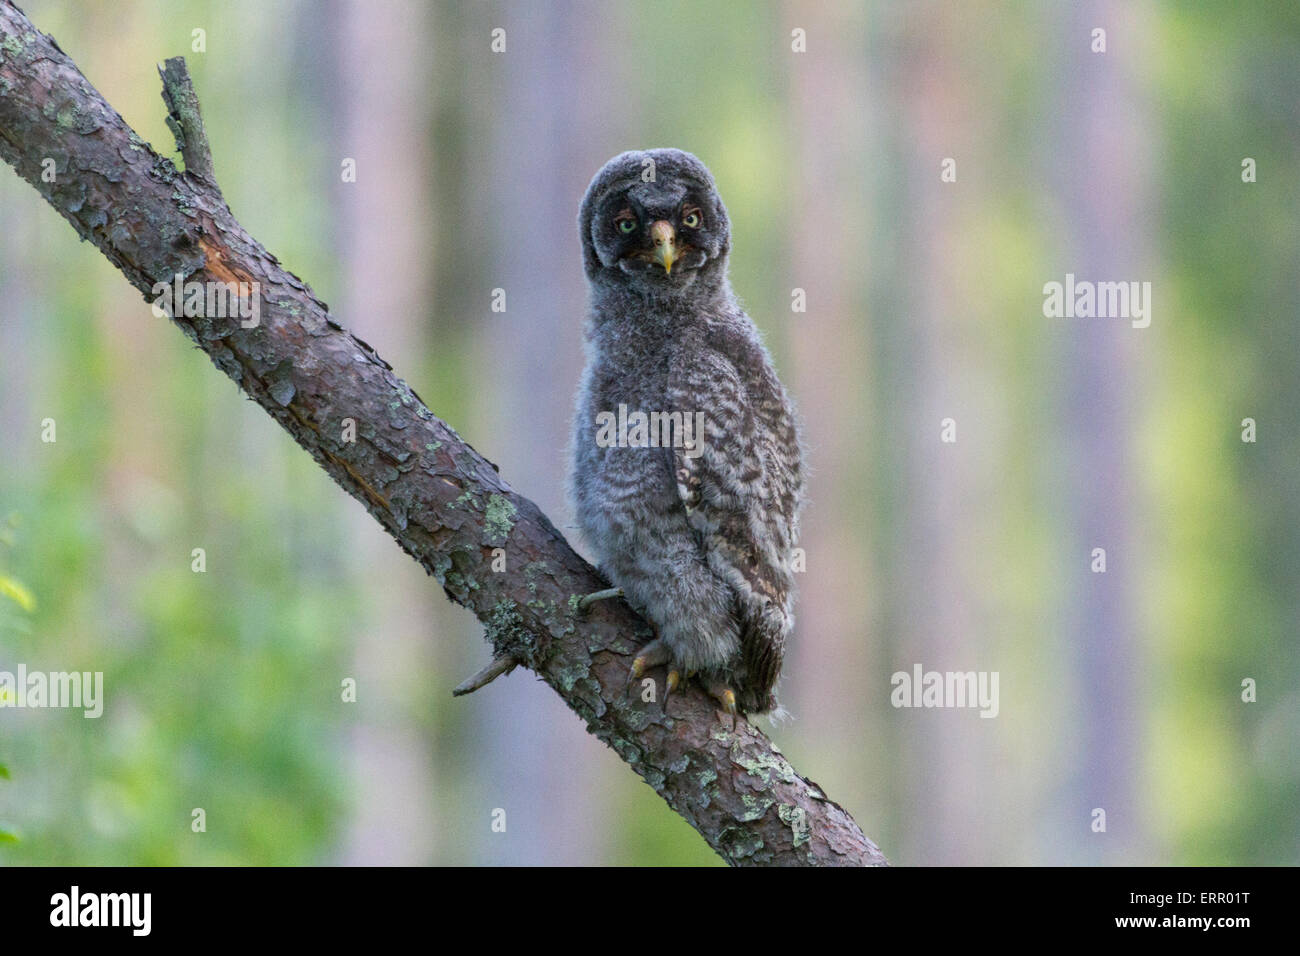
(725, 696)
(670, 682)
(652, 655)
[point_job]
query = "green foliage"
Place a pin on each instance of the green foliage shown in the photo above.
(27, 602)
(6, 836)
(17, 593)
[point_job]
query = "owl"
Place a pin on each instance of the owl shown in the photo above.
(686, 461)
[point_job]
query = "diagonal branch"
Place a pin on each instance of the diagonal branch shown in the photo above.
(442, 501)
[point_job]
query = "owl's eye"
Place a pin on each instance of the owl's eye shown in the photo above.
(626, 225)
(692, 219)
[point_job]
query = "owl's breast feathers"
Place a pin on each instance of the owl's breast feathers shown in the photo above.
(742, 485)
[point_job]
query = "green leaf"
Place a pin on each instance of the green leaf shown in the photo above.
(7, 837)
(21, 596)
(4, 772)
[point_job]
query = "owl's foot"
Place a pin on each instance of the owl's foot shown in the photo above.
(716, 688)
(657, 653)
(720, 691)
(652, 655)
(725, 695)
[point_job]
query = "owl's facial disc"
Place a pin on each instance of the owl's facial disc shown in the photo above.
(668, 247)
(672, 193)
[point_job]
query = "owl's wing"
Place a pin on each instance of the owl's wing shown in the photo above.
(741, 487)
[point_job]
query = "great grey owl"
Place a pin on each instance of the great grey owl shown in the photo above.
(696, 525)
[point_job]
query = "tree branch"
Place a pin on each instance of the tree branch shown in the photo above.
(185, 120)
(442, 501)
(498, 667)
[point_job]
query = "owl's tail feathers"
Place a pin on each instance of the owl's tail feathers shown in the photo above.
(762, 648)
(757, 701)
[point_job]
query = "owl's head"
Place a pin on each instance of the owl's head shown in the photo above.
(652, 221)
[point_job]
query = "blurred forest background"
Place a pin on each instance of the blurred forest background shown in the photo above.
(1119, 690)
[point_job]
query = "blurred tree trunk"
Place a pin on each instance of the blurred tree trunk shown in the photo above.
(376, 82)
(1101, 179)
(542, 764)
(942, 615)
(837, 645)
(20, 351)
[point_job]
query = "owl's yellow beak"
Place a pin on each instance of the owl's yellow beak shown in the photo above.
(665, 239)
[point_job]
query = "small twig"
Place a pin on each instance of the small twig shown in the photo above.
(185, 121)
(588, 600)
(502, 665)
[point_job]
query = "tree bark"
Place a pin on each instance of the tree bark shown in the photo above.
(443, 502)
